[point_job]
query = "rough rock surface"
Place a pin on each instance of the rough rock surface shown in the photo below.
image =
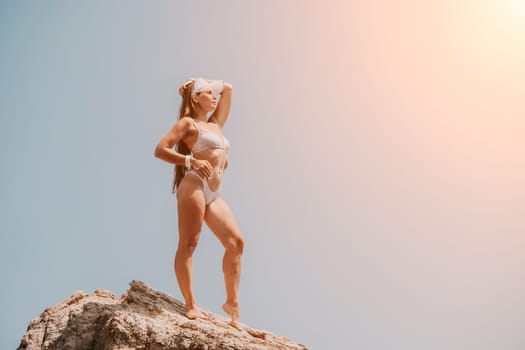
(142, 318)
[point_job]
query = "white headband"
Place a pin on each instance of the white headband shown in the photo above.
(201, 84)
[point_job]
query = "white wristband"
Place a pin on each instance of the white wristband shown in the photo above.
(187, 161)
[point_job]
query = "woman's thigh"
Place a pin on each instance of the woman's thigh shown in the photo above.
(221, 221)
(190, 207)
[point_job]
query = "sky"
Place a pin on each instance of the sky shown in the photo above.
(376, 168)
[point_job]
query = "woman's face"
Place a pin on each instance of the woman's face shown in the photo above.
(206, 100)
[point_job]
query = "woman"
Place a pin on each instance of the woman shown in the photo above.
(197, 181)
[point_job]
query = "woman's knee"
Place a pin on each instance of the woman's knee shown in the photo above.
(188, 246)
(235, 244)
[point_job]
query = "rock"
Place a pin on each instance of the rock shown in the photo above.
(142, 318)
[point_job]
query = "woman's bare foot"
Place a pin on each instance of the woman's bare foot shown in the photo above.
(196, 312)
(233, 311)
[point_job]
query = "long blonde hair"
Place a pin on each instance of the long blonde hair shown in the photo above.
(187, 109)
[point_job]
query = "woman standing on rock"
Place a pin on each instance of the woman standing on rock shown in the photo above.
(200, 160)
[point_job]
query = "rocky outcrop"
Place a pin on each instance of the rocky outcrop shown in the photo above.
(142, 318)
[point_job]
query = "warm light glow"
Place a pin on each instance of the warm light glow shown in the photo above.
(514, 13)
(517, 6)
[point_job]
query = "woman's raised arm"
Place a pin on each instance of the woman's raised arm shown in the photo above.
(221, 113)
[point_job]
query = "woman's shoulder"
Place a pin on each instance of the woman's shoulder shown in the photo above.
(187, 121)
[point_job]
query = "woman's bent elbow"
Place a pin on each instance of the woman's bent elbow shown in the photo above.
(158, 152)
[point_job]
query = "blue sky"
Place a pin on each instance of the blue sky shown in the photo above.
(376, 163)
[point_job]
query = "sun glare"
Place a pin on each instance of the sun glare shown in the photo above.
(514, 11)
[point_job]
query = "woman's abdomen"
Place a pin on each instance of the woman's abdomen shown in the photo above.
(218, 160)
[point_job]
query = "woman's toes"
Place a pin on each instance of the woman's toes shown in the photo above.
(236, 325)
(196, 313)
(203, 315)
(233, 311)
(191, 314)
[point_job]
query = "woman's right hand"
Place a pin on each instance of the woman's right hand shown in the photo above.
(202, 166)
(183, 86)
